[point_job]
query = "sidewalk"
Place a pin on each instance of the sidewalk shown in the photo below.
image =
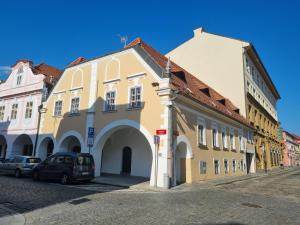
(10, 217)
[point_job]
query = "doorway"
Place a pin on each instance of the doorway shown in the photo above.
(126, 160)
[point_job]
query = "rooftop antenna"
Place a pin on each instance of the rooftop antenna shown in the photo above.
(123, 40)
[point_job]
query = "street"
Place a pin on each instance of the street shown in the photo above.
(266, 199)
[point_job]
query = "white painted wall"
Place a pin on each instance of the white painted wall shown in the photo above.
(141, 153)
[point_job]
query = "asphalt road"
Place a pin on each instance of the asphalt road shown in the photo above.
(273, 199)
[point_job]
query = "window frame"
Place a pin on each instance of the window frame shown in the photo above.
(226, 169)
(224, 140)
(28, 110)
(105, 107)
(71, 105)
(201, 122)
(2, 112)
(215, 135)
(232, 144)
(130, 106)
(61, 107)
(218, 169)
(14, 111)
(202, 164)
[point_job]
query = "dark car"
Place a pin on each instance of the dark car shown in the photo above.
(66, 167)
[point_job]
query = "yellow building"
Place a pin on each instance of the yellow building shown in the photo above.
(234, 68)
(132, 97)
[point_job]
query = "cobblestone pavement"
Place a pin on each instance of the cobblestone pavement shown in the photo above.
(272, 199)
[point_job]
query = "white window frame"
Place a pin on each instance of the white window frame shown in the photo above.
(232, 145)
(14, 110)
(19, 79)
(28, 110)
(2, 112)
(227, 166)
(130, 97)
(200, 163)
(241, 140)
(54, 108)
(201, 122)
(233, 165)
(219, 169)
(72, 111)
(214, 126)
(224, 140)
(106, 108)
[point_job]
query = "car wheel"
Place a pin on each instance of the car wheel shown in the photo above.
(18, 173)
(36, 176)
(65, 179)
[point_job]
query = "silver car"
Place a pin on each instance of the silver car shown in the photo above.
(19, 165)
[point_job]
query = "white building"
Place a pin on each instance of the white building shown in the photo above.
(20, 97)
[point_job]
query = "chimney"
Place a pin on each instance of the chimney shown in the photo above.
(198, 31)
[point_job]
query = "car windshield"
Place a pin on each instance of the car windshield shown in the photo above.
(84, 161)
(33, 160)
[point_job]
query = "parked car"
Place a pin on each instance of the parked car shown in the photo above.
(19, 165)
(66, 167)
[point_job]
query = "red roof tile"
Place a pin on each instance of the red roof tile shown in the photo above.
(190, 86)
(77, 61)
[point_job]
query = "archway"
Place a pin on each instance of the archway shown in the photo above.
(181, 163)
(3, 146)
(70, 144)
(22, 145)
(126, 151)
(46, 148)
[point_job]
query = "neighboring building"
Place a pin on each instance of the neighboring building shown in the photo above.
(291, 146)
(297, 150)
(125, 99)
(234, 68)
(20, 97)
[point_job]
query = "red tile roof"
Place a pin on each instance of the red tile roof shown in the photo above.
(191, 87)
(50, 72)
(77, 61)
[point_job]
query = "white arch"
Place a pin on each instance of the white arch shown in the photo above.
(113, 59)
(189, 151)
(68, 134)
(110, 129)
(43, 137)
(79, 71)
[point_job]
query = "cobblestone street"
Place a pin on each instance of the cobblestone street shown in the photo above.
(265, 199)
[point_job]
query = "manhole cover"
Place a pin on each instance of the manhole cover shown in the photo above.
(79, 201)
(251, 205)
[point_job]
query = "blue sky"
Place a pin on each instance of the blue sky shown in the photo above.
(56, 32)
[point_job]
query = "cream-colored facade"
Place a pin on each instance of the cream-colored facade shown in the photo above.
(126, 98)
(233, 68)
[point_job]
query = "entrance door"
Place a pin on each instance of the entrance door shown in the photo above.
(126, 161)
(248, 161)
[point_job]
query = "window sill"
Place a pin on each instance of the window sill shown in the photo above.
(57, 116)
(216, 148)
(203, 147)
(110, 111)
(225, 149)
(233, 150)
(134, 108)
(73, 114)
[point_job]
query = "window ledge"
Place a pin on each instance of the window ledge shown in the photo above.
(110, 111)
(225, 149)
(203, 147)
(134, 108)
(216, 148)
(57, 116)
(73, 114)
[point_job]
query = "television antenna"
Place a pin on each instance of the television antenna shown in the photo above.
(123, 40)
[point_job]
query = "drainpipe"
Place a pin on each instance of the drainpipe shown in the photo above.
(38, 130)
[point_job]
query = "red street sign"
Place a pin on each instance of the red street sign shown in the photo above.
(161, 132)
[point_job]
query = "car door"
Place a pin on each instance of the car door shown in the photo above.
(58, 167)
(46, 167)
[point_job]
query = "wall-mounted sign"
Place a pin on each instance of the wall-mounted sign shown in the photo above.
(161, 132)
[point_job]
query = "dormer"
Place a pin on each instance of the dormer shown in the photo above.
(205, 91)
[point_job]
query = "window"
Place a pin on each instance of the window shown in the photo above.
(202, 167)
(28, 112)
(232, 141)
(226, 166)
(75, 105)
(2, 110)
(215, 142)
(135, 97)
(242, 165)
(201, 134)
(14, 111)
(217, 167)
(20, 70)
(58, 108)
(233, 165)
(224, 139)
(19, 79)
(241, 141)
(110, 101)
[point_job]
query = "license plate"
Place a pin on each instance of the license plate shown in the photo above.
(85, 173)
